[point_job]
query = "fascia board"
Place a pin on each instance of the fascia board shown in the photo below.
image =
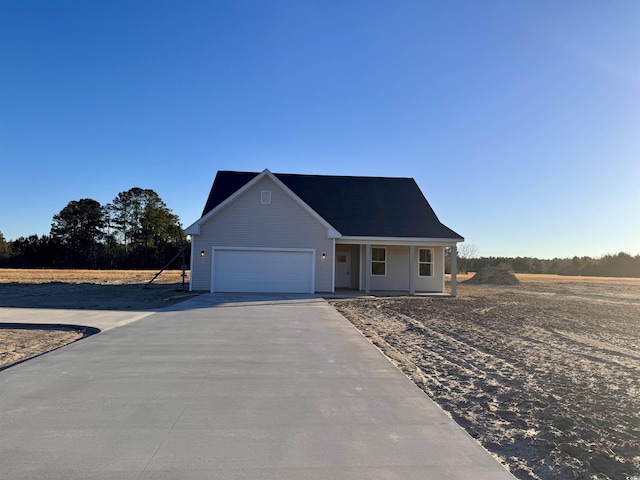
(434, 242)
(193, 229)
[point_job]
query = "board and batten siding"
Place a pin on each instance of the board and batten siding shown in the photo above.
(246, 222)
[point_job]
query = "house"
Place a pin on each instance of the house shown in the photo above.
(266, 232)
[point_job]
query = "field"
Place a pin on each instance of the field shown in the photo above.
(97, 277)
(76, 289)
(89, 289)
(546, 375)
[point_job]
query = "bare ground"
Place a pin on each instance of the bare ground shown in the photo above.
(546, 375)
(19, 344)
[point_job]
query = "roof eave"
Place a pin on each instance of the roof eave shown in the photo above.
(435, 242)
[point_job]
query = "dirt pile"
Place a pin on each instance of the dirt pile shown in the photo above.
(493, 276)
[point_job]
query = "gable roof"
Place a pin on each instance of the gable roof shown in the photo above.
(355, 206)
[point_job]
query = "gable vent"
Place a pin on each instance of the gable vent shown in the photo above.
(265, 197)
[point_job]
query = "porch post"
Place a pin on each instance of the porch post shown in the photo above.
(454, 270)
(367, 268)
(412, 270)
(333, 266)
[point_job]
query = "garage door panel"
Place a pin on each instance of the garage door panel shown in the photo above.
(263, 271)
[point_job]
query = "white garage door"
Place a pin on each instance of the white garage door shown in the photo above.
(278, 271)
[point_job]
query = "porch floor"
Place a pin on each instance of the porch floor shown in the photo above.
(347, 293)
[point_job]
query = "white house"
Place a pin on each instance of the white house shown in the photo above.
(265, 232)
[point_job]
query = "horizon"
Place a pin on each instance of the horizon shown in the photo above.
(519, 122)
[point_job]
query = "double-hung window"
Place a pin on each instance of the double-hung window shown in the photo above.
(378, 261)
(425, 262)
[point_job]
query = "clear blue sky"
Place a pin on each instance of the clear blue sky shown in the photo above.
(520, 121)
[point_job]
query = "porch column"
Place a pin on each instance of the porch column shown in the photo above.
(367, 268)
(412, 270)
(333, 266)
(454, 270)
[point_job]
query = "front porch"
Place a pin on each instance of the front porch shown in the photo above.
(393, 267)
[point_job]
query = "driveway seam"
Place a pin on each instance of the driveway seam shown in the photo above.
(166, 435)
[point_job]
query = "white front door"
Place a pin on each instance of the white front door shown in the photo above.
(343, 270)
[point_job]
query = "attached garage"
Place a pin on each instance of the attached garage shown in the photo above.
(262, 270)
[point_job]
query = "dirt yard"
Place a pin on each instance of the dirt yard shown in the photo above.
(19, 344)
(76, 289)
(545, 375)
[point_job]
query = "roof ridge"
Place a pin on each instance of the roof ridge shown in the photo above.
(317, 175)
(342, 176)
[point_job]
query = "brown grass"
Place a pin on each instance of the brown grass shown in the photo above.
(124, 277)
(553, 279)
(99, 277)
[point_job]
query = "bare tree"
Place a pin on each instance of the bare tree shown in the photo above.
(466, 253)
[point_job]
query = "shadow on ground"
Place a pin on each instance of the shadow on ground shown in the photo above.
(89, 296)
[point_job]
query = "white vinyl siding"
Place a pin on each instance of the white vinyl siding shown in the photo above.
(434, 283)
(246, 222)
(397, 270)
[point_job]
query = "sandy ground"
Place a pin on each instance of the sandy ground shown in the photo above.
(545, 375)
(76, 289)
(19, 344)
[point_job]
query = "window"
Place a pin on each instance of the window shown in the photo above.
(378, 261)
(265, 197)
(425, 262)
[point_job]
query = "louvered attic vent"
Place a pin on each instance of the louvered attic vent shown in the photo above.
(265, 197)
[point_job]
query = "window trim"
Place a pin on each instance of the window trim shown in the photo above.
(265, 197)
(383, 262)
(431, 263)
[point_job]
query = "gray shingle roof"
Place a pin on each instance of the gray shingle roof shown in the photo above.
(355, 206)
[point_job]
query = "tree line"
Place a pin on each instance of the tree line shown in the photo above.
(617, 265)
(135, 230)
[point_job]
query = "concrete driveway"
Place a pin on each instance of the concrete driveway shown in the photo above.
(228, 388)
